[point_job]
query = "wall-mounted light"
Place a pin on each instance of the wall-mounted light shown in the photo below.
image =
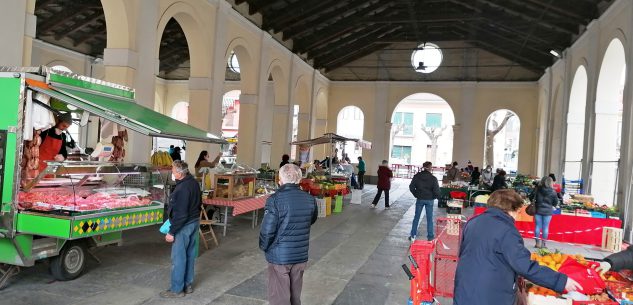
(555, 53)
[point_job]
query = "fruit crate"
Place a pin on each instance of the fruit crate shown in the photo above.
(449, 235)
(444, 279)
(421, 288)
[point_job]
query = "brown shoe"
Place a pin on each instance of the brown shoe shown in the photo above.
(168, 294)
(189, 289)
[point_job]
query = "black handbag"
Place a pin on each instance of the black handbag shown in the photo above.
(531, 209)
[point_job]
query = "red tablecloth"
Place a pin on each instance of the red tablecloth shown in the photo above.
(570, 229)
(239, 206)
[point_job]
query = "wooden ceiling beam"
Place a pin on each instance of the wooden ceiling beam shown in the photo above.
(307, 8)
(544, 52)
(553, 10)
(529, 18)
(258, 7)
(491, 47)
(307, 26)
(368, 36)
(352, 56)
(67, 14)
(82, 24)
(334, 31)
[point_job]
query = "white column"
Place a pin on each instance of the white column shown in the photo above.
(467, 145)
(199, 108)
(381, 125)
(249, 146)
(18, 30)
(219, 65)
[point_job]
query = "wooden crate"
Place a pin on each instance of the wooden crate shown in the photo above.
(612, 239)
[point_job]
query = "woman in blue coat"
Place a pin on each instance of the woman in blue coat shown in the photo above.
(492, 256)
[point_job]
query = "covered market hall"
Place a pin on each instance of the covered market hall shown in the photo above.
(371, 100)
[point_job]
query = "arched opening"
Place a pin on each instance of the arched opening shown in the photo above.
(576, 126)
(349, 123)
(502, 134)
(231, 122)
(422, 131)
(174, 53)
(61, 68)
(608, 126)
(180, 112)
(75, 25)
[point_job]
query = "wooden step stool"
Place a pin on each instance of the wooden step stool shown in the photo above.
(204, 220)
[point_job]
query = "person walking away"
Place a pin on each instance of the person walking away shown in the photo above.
(487, 177)
(184, 210)
(499, 182)
(617, 262)
(545, 199)
(453, 173)
(425, 189)
(492, 256)
(285, 237)
(285, 159)
(175, 156)
(384, 183)
(361, 173)
(475, 176)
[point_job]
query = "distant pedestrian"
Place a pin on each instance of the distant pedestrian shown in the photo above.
(384, 183)
(285, 159)
(285, 237)
(361, 173)
(499, 181)
(426, 189)
(175, 155)
(184, 210)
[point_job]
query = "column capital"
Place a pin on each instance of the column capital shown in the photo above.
(30, 25)
(248, 99)
(281, 109)
(120, 58)
(200, 83)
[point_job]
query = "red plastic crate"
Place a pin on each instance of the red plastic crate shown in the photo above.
(445, 268)
(421, 289)
(449, 235)
(595, 303)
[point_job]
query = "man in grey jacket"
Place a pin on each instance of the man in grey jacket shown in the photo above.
(426, 189)
(285, 237)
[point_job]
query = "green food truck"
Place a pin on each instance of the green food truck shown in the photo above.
(57, 210)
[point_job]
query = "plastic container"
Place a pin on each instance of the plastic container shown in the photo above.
(445, 268)
(449, 235)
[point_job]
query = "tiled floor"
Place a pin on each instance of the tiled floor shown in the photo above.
(355, 258)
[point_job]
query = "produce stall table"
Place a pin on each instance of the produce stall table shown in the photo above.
(471, 193)
(239, 207)
(567, 228)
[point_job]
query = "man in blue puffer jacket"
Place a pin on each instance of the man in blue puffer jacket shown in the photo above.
(285, 237)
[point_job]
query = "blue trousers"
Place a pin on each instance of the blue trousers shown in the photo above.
(542, 224)
(183, 257)
(428, 206)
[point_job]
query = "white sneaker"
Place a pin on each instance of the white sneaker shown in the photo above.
(373, 206)
(387, 208)
(411, 238)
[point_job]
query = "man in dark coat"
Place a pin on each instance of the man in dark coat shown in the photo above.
(425, 189)
(618, 261)
(384, 183)
(184, 215)
(285, 237)
(492, 256)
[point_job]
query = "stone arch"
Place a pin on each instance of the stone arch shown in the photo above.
(395, 101)
(576, 117)
(302, 94)
(413, 139)
(279, 80)
(248, 68)
(512, 124)
(117, 24)
(59, 62)
(608, 121)
(347, 121)
(189, 21)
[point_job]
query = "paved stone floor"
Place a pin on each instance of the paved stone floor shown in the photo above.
(355, 258)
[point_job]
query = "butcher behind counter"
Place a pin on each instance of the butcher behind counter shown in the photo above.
(53, 147)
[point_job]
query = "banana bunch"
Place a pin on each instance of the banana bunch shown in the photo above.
(161, 158)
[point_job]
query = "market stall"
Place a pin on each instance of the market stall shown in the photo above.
(57, 209)
(332, 139)
(567, 228)
(237, 187)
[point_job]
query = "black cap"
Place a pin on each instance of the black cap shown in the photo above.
(65, 117)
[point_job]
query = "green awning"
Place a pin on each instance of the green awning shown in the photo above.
(131, 115)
